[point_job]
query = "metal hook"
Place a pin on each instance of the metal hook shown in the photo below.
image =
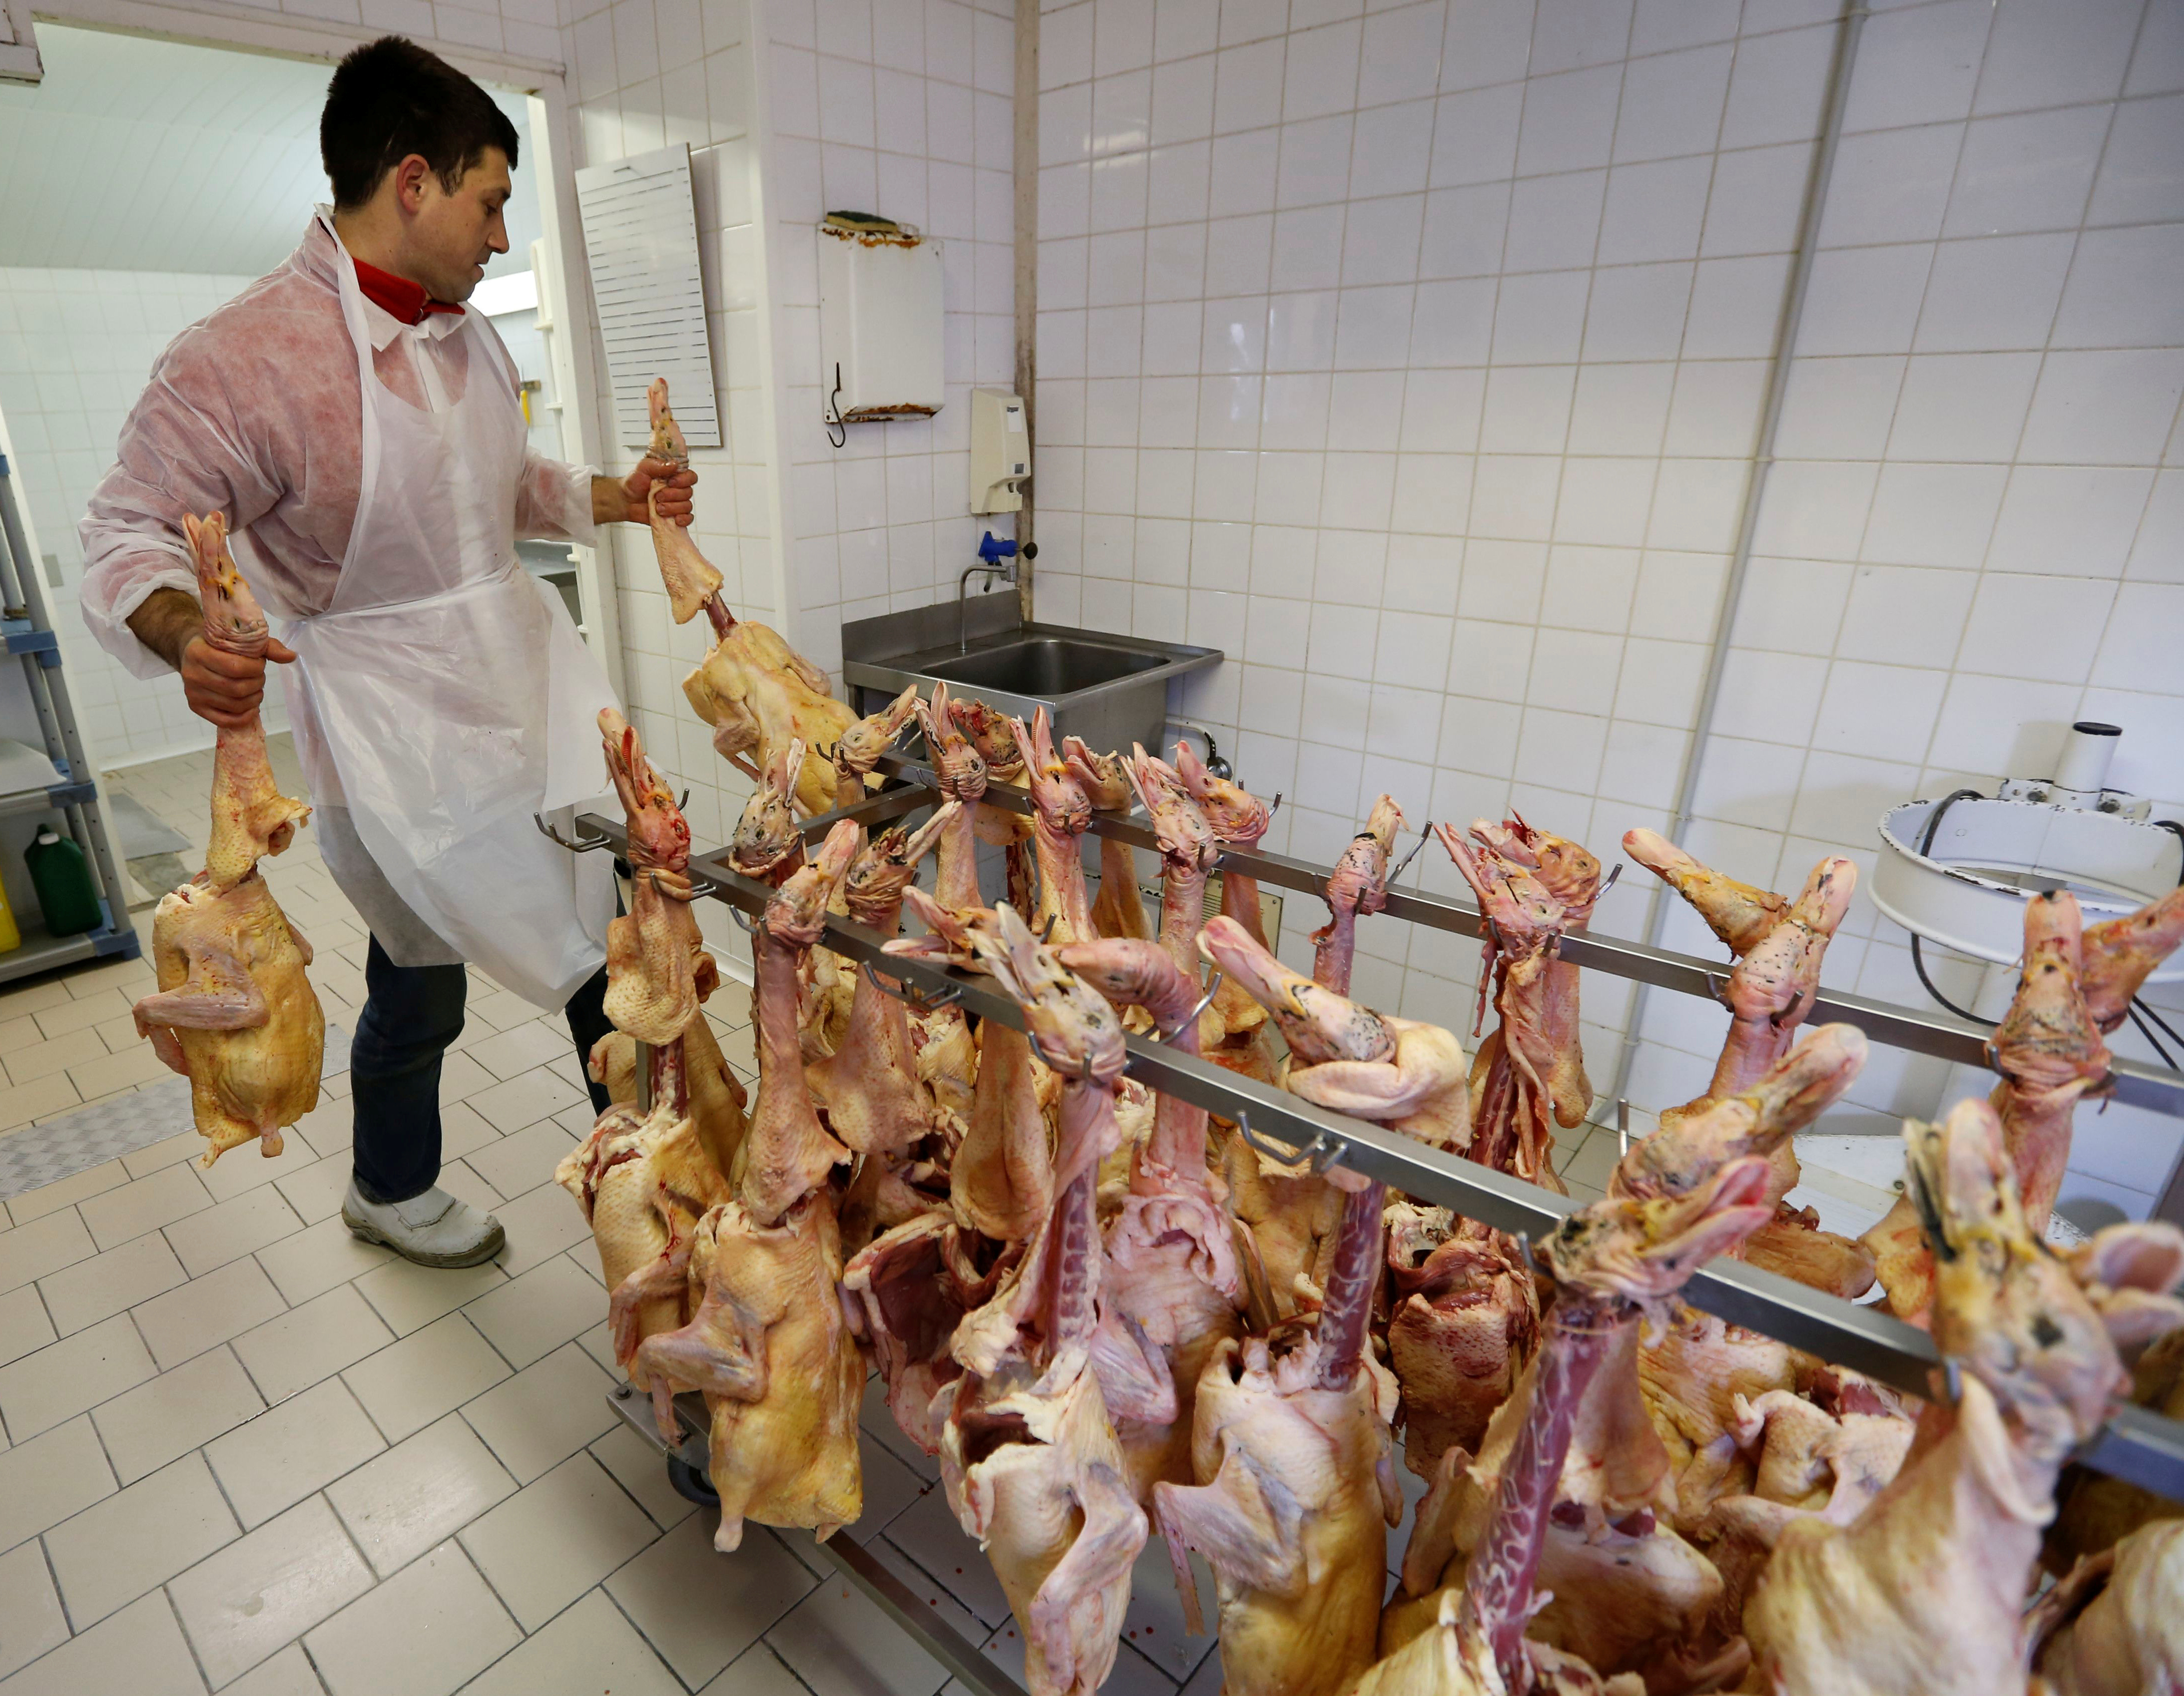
(1623, 1125)
(1277, 806)
(917, 1004)
(1716, 986)
(1191, 1018)
(753, 928)
(684, 802)
(1524, 1255)
(1607, 883)
(1789, 1012)
(1424, 837)
(1262, 1143)
(580, 845)
(1953, 1378)
(1078, 1074)
(1326, 1152)
(1321, 1153)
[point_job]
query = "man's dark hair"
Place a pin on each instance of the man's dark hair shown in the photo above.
(391, 98)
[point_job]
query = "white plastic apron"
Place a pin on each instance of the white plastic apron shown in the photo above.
(445, 696)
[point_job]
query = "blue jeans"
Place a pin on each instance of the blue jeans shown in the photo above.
(410, 1014)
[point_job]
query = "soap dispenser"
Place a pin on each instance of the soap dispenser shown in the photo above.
(1001, 451)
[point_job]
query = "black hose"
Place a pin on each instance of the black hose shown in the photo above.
(2138, 1011)
(1918, 958)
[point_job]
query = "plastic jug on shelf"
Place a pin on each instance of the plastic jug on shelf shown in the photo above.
(66, 895)
(11, 934)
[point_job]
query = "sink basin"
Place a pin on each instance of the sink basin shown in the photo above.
(1110, 690)
(1045, 667)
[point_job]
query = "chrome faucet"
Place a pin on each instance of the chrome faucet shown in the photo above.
(996, 558)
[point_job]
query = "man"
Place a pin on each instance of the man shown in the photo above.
(362, 431)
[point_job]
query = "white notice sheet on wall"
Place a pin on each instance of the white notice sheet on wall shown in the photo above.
(641, 238)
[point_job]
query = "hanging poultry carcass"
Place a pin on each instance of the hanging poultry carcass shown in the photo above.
(766, 843)
(862, 744)
(2096, 1511)
(1105, 778)
(693, 583)
(1188, 852)
(234, 1012)
(1571, 875)
(1931, 1578)
(1359, 887)
(913, 1285)
(1464, 1319)
(1238, 819)
(2113, 1625)
(1172, 1269)
(1061, 815)
(1780, 945)
(869, 1085)
(659, 970)
(645, 1179)
(768, 1344)
(2120, 954)
(1698, 1366)
(1397, 1071)
(1558, 1500)
(960, 774)
(1291, 1446)
(1631, 1591)
(2049, 1052)
(1513, 1107)
(990, 733)
(1029, 1455)
(718, 1100)
(759, 694)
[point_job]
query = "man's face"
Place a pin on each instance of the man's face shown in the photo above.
(455, 231)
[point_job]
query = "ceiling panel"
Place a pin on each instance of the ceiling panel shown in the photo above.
(135, 153)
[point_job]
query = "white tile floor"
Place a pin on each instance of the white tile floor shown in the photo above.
(247, 1452)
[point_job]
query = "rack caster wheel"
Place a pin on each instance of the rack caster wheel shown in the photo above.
(691, 1484)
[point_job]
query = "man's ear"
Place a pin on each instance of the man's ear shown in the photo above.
(410, 178)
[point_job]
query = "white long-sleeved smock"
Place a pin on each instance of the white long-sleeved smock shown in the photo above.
(255, 412)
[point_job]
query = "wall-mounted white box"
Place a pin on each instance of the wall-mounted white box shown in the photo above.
(879, 322)
(1001, 451)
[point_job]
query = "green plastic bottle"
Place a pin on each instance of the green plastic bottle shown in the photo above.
(66, 894)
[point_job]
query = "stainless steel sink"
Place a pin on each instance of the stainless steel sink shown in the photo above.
(1047, 667)
(1110, 690)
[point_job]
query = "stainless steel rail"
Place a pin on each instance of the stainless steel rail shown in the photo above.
(1940, 1035)
(2138, 1446)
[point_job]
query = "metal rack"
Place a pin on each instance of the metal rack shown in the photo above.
(2137, 1445)
(27, 628)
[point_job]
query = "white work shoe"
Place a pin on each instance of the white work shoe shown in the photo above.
(434, 1229)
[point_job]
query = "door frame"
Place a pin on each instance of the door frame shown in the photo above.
(209, 23)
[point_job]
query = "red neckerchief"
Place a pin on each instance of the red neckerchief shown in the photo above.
(397, 297)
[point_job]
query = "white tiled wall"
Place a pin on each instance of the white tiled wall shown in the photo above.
(886, 106)
(644, 74)
(76, 350)
(901, 107)
(1415, 358)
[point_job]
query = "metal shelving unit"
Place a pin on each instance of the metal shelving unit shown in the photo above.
(26, 626)
(2139, 1446)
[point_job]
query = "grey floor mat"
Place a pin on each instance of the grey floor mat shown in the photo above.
(139, 831)
(105, 1131)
